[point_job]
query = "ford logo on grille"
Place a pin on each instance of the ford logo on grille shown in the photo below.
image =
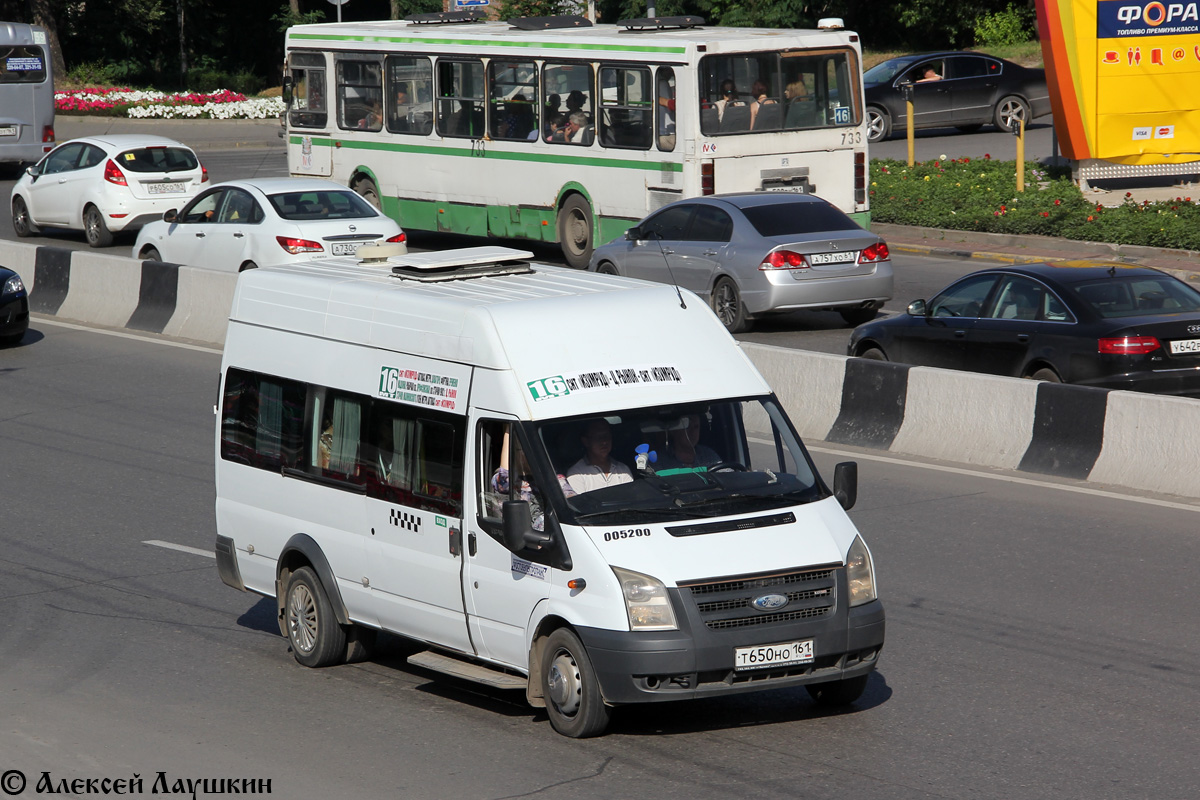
(770, 602)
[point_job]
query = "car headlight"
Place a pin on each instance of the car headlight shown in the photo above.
(860, 573)
(646, 601)
(13, 285)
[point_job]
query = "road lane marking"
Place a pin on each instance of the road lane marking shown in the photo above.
(126, 335)
(183, 548)
(1040, 483)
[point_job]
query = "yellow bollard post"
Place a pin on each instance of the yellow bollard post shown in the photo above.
(907, 87)
(1021, 157)
(911, 144)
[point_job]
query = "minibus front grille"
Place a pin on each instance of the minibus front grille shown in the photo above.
(729, 602)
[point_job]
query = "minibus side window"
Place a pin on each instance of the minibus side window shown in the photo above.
(335, 435)
(412, 459)
(504, 474)
(262, 420)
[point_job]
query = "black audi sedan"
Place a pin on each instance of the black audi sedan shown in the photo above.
(1112, 326)
(14, 307)
(953, 89)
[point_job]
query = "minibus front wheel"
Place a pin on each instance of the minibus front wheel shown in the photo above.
(573, 700)
(312, 628)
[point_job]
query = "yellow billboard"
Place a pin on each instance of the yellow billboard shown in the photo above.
(1124, 78)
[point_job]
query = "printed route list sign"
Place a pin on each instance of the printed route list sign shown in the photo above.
(419, 388)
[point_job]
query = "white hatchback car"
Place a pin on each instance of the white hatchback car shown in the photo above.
(105, 184)
(239, 225)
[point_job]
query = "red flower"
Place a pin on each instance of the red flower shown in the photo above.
(1058, 202)
(1129, 194)
(1045, 213)
(1090, 219)
(1002, 208)
(987, 156)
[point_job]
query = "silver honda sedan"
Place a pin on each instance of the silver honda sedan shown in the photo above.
(757, 253)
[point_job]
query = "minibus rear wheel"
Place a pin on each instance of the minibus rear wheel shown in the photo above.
(573, 700)
(316, 637)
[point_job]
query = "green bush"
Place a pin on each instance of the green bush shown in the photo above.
(981, 195)
(1010, 26)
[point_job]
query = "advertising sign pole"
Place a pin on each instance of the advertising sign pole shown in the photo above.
(908, 110)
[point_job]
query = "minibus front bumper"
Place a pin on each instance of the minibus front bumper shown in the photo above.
(641, 667)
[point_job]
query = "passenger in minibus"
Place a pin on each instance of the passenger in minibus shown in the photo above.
(527, 488)
(684, 450)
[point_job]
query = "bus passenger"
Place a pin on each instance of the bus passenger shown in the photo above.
(728, 98)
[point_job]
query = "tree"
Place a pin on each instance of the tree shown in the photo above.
(41, 13)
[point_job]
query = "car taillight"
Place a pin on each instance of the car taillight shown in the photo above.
(113, 174)
(783, 259)
(297, 246)
(708, 180)
(876, 252)
(1129, 345)
(48, 133)
(203, 174)
(399, 237)
(860, 177)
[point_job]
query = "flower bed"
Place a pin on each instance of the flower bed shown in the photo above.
(981, 195)
(123, 102)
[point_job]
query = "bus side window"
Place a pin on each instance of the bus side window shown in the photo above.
(360, 95)
(460, 100)
(627, 107)
(410, 80)
(308, 108)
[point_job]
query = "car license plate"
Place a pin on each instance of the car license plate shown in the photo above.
(832, 258)
(8, 130)
(345, 248)
(798, 188)
(773, 655)
(1181, 346)
(165, 188)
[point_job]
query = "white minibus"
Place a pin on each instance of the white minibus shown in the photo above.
(569, 484)
(26, 94)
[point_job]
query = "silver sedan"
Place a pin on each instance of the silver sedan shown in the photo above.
(757, 253)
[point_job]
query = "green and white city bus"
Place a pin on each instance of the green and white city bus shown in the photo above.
(557, 130)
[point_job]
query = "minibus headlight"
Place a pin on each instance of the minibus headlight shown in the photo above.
(646, 601)
(860, 573)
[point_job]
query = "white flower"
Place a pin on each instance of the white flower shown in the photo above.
(942, 157)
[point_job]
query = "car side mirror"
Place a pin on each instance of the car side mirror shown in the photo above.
(634, 234)
(33, 171)
(518, 526)
(845, 484)
(917, 308)
(170, 215)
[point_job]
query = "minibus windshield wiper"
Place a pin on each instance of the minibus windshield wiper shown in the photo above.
(654, 511)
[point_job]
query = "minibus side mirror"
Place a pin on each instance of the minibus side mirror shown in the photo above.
(518, 526)
(170, 215)
(845, 483)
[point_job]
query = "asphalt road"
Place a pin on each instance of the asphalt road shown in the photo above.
(1038, 636)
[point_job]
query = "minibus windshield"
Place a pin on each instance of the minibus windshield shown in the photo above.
(678, 462)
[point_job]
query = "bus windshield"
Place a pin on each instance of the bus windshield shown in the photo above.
(788, 90)
(679, 462)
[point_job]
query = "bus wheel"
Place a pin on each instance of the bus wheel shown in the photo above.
(366, 188)
(573, 700)
(575, 231)
(316, 637)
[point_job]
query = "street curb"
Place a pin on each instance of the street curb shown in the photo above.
(939, 241)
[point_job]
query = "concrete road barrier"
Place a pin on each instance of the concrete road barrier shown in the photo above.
(119, 292)
(1139, 441)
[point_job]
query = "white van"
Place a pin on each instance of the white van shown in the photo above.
(664, 535)
(26, 94)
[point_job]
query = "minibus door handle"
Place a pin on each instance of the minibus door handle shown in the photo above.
(455, 541)
(471, 547)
